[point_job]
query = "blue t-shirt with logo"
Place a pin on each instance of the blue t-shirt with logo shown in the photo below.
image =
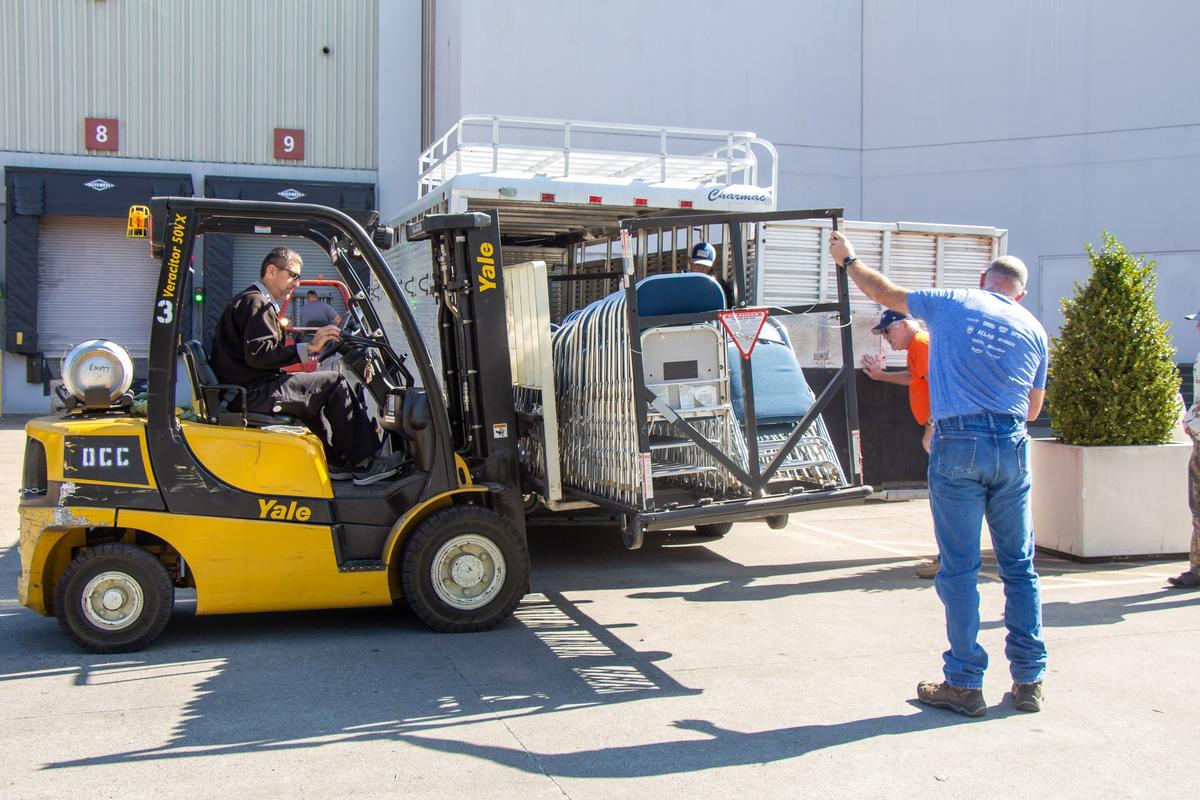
(986, 351)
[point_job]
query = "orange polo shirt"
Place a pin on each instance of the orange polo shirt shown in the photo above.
(918, 367)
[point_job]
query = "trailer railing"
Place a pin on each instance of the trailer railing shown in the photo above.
(531, 146)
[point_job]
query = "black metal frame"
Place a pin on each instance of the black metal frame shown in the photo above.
(473, 332)
(756, 480)
(186, 485)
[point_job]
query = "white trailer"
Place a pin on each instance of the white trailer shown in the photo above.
(561, 186)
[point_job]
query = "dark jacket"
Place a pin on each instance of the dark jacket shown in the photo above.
(248, 347)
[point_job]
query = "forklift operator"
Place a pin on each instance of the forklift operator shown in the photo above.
(249, 350)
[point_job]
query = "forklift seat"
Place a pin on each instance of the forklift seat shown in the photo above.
(223, 403)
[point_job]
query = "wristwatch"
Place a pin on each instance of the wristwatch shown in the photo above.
(848, 260)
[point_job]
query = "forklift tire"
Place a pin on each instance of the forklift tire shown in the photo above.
(114, 598)
(464, 568)
(714, 531)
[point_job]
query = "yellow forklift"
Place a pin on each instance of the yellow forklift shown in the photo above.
(655, 407)
(119, 508)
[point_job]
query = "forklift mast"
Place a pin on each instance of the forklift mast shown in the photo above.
(469, 283)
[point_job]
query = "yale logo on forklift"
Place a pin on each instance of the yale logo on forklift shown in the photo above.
(276, 509)
(487, 267)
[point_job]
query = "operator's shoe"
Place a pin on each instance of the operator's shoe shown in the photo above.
(340, 471)
(929, 571)
(378, 469)
(1027, 696)
(1187, 580)
(968, 702)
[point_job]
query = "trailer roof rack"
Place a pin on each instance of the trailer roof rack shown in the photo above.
(527, 147)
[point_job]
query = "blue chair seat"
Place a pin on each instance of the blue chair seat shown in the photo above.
(781, 394)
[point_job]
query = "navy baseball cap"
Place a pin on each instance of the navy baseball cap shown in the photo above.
(703, 254)
(887, 318)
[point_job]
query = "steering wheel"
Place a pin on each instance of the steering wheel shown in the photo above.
(349, 323)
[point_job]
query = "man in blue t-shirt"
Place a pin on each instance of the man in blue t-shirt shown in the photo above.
(987, 368)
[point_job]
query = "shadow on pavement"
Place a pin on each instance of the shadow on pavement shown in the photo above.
(266, 682)
(720, 747)
(588, 559)
(1108, 610)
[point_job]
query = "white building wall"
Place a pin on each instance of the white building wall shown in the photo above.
(398, 103)
(1056, 119)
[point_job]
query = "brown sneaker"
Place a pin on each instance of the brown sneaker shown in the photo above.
(1027, 696)
(929, 571)
(968, 702)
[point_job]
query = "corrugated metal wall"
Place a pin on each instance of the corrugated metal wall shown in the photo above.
(221, 75)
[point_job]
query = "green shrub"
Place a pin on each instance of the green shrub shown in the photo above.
(1113, 379)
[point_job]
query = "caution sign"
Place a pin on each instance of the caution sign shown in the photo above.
(743, 326)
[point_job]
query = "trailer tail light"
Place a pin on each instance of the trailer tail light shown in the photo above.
(640, 201)
(595, 199)
(547, 197)
(685, 203)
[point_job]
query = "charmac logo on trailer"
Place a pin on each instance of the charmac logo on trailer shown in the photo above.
(751, 194)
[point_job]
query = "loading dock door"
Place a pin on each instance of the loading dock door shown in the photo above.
(93, 283)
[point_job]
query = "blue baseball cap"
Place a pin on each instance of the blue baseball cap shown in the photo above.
(887, 318)
(703, 254)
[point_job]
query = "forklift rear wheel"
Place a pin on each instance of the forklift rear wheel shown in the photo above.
(464, 568)
(716, 530)
(114, 598)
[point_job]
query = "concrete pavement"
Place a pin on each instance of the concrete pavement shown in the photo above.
(769, 663)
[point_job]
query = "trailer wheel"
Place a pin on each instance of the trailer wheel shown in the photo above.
(114, 598)
(464, 568)
(716, 530)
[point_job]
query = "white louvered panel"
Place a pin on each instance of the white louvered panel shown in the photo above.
(868, 246)
(963, 258)
(913, 262)
(93, 283)
(791, 264)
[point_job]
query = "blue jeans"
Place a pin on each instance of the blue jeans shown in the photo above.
(979, 466)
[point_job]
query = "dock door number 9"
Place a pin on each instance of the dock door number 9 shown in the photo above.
(289, 143)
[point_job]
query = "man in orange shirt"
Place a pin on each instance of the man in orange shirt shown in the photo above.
(903, 333)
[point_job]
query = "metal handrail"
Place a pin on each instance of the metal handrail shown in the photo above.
(736, 146)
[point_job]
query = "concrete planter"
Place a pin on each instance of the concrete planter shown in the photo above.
(1105, 502)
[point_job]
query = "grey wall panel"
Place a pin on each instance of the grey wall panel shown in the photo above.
(944, 71)
(193, 81)
(790, 72)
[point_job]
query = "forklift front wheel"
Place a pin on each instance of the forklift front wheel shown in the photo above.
(114, 598)
(464, 568)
